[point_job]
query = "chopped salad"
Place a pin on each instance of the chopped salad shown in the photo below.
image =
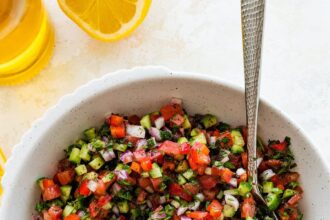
(169, 165)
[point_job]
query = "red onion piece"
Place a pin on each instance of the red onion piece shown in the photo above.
(135, 131)
(140, 144)
(91, 185)
(154, 132)
(121, 174)
(185, 218)
(160, 122)
(115, 188)
(126, 157)
(108, 154)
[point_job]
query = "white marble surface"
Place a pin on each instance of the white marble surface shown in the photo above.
(192, 35)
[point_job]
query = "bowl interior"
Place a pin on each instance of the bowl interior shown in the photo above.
(140, 91)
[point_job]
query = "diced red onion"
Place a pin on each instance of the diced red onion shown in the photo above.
(149, 204)
(176, 101)
(156, 213)
(160, 122)
(240, 171)
(259, 160)
(121, 174)
(81, 213)
(126, 157)
(140, 144)
(213, 139)
(185, 218)
(225, 159)
(139, 155)
(91, 185)
(232, 201)
(105, 139)
(181, 210)
(91, 148)
(162, 199)
(154, 132)
(233, 182)
(108, 154)
(194, 206)
(115, 188)
(135, 131)
(267, 174)
(115, 210)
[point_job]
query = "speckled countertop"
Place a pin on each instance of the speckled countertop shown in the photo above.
(198, 36)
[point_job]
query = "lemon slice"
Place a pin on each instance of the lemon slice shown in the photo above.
(107, 20)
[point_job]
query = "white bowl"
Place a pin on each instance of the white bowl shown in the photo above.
(138, 91)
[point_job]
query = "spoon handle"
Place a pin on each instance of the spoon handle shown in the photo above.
(252, 12)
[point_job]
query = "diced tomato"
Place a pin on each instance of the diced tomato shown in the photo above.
(229, 140)
(121, 217)
(201, 169)
(136, 167)
(185, 148)
(191, 188)
(215, 208)
(51, 192)
(193, 165)
(226, 175)
(156, 156)
(169, 110)
(248, 208)
(55, 212)
(66, 177)
(146, 164)
(100, 188)
(197, 214)
(200, 154)
(142, 195)
(118, 131)
(176, 190)
(216, 133)
(83, 188)
(294, 200)
(144, 183)
(131, 180)
(202, 148)
(272, 163)
(156, 183)
(242, 178)
(244, 159)
(177, 119)
(47, 182)
(140, 155)
(134, 120)
(103, 200)
(72, 217)
(168, 165)
(175, 217)
(207, 182)
(116, 120)
(291, 177)
(170, 148)
(244, 133)
(132, 140)
(282, 146)
(93, 209)
(210, 193)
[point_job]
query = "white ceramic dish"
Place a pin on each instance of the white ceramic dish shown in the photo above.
(138, 91)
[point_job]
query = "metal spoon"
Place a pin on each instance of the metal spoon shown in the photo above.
(252, 15)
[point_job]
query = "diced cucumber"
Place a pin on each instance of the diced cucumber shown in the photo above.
(90, 176)
(107, 206)
(156, 171)
(81, 169)
(277, 191)
(108, 177)
(209, 120)
(74, 155)
(120, 147)
(146, 121)
(84, 153)
(80, 143)
(189, 174)
(238, 141)
(151, 142)
(198, 138)
(175, 203)
(145, 174)
(68, 210)
(267, 187)
(273, 201)
(186, 123)
(97, 163)
(182, 166)
(220, 195)
(236, 149)
(233, 192)
(194, 132)
(39, 182)
(181, 179)
(90, 133)
(134, 213)
(65, 192)
(228, 211)
(98, 144)
(125, 167)
(182, 140)
(288, 193)
(244, 188)
(125, 195)
(123, 206)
